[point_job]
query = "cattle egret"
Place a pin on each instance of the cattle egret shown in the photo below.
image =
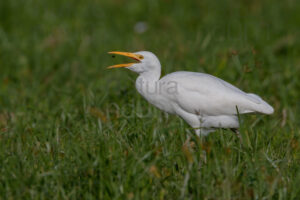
(205, 102)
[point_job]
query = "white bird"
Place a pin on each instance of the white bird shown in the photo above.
(204, 101)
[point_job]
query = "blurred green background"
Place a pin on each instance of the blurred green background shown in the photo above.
(69, 128)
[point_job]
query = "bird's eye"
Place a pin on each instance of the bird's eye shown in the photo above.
(141, 57)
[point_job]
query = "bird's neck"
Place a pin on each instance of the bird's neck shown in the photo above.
(151, 76)
(147, 83)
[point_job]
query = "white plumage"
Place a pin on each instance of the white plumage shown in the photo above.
(205, 102)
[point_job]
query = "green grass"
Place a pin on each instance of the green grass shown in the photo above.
(70, 129)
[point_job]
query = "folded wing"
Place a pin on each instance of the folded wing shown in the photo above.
(204, 94)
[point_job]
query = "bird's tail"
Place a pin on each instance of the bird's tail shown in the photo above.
(261, 106)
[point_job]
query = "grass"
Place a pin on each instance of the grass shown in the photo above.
(69, 129)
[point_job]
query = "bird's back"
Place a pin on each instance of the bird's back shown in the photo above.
(207, 94)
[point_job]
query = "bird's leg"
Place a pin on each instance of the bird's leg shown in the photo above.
(197, 131)
(203, 131)
(187, 142)
(200, 130)
(237, 133)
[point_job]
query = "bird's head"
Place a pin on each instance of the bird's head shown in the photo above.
(145, 62)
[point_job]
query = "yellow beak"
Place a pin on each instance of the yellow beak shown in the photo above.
(134, 56)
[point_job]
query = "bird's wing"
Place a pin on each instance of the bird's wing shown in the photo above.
(205, 94)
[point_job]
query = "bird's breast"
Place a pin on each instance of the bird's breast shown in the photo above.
(156, 93)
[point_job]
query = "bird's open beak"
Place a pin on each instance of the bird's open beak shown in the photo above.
(134, 56)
